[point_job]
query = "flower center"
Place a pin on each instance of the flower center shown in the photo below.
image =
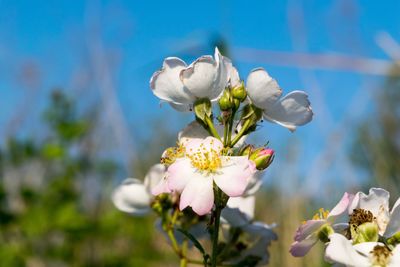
(205, 159)
(380, 256)
(360, 216)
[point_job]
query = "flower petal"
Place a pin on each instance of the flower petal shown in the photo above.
(132, 197)
(340, 250)
(233, 74)
(234, 175)
(239, 210)
(301, 248)
(308, 228)
(206, 77)
(291, 111)
(394, 223)
(262, 89)
(341, 207)
(179, 174)
(395, 259)
(254, 184)
(198, 194)
(166, 84)
(156, 173)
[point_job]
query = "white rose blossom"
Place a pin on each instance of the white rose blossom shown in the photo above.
(181, 85)
(290, 111)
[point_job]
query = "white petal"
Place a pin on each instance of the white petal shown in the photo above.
(341, 207)
(395, 259)
(291, 111)
(254, 184)
(340, 250)
(239, 211)
(198, 194)
(233, 74)
(234, 175)
(206, 77)
(154, 176)
(132, 197)
(191, 131)
(167, 85)
(262, 89)
(394, 223)
(182, 107)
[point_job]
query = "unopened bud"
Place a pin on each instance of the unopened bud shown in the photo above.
(324, 232)
(239, 92)
(262, 157)
(394, 239)
(367, 232)
(225, 101)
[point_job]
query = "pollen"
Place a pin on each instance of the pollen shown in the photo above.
(172, 153)
(322, 214)
(360, 216)
(205, 159)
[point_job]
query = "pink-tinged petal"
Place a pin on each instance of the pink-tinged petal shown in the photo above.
(198, 194)
(340, 250)
(341, 207)
(161, 187)
(212, 143)
(233, 176)
(179, 174)
(301, 248)
(307, 229)
(262, 89)
(156, 173)
(132, 197)
(291, 111)
(166, 84)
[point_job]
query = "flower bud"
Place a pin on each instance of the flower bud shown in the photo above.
(367, 232)
(394, 239)
(225, 102)
(239, 92)
(262, 157)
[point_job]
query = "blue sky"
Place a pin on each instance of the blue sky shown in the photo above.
(55, 36)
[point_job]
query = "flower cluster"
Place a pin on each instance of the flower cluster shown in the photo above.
(211, 174)
(359, 231)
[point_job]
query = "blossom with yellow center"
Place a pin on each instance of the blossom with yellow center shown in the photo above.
(202, 165)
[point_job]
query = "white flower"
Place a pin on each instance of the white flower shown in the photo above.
(181, 85)
(239, 214)
(203, 164)
(368, 254)
(133, 196)
(290, 111)
(377, 202)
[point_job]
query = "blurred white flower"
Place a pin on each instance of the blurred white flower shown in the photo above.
(181, 85)
(134, 196)
(368, 254)
(290, 111)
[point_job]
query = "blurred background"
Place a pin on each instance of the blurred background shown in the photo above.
(77, 115)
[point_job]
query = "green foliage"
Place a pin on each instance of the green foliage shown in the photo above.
(45, 219)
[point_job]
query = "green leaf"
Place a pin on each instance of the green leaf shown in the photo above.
(196, 243)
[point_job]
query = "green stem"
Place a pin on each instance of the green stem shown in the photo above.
(226, 125)
(184, 260)
(230, 126)
(244, 128)
(211, 127)
(217, 216)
